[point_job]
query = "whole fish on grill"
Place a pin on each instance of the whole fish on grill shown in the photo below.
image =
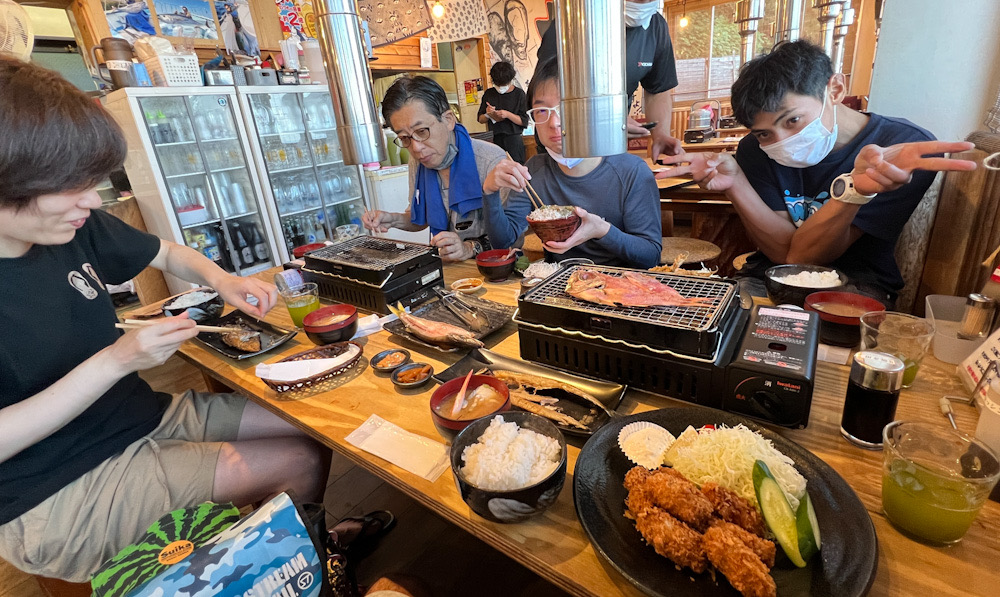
(437, 332)
(632, 289)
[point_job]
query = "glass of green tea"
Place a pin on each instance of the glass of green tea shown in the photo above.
(301, 301)
(898, 334)
(935, 480)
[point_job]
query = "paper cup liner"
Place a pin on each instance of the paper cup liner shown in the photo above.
(645, 449)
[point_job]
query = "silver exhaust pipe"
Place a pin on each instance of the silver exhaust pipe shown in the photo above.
(748, 16)
(591, 51)
(844, 21)
(829, 11)
(346, 62)
(788, 21)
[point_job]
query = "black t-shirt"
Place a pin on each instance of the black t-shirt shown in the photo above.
(55, 313)
(649, 56)
(802, 191)
(514, 101)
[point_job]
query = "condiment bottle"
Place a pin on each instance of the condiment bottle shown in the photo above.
(872, 395)
(977, 319)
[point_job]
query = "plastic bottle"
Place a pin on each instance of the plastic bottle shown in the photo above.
(992, 286)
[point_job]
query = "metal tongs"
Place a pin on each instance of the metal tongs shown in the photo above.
(463, 310)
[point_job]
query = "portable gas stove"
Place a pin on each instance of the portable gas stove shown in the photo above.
(760, 363)
(372, 273)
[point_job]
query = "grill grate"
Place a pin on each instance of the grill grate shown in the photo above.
(553, 292)
(370, 253)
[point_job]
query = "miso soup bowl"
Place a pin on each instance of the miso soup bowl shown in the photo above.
(841, 330)
(513, 505)
(449, 427)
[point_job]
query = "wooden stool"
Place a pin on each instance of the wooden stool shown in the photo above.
(697, 250)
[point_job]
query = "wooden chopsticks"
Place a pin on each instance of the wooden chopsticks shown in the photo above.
(533, 196)
(131, 324)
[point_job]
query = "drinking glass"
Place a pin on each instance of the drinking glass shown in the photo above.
(899, 334)
(301, 301)
(935, 480)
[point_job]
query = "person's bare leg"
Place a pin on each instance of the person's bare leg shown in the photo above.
(269, 456)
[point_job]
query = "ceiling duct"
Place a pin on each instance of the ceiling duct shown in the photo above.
(748, 16)
(844, 21)
(346, 62)
(788, 20)
(829, 12)
(591, 51)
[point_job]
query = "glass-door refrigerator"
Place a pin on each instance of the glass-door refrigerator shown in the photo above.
(309, 188)
(192, 172)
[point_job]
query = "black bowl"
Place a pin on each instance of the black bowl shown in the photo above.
(786, 294)
(490, 264)
(342, 334)
(394, 376)
(519, 504)
(210, 308)
(384, 353)
(340, 331)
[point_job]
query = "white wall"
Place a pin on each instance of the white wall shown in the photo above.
(938, 64)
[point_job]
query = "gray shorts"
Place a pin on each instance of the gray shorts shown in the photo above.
(73, 532)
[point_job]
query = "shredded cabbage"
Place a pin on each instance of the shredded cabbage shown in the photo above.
(726, 456)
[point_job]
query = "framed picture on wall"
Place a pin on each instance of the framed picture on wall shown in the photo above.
(194, 19)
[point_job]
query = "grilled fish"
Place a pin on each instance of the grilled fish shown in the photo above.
(630, 290)
(524, 401)
(435, 331)
(536, 383)
(246, 340)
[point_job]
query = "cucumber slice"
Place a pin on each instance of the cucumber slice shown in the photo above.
(808, 528)
(778, 514)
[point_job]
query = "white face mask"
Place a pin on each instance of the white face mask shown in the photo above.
(639, 15)
(503, 89)
(568, 162)
(807, 147)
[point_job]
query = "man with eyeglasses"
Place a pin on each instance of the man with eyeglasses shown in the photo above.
(450, 174)
(615, 196)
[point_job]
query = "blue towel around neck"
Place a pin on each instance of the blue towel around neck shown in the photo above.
(465, 192)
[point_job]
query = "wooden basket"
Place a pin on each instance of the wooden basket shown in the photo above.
(321, 352)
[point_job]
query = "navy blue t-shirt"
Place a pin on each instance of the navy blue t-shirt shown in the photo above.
(55, 313)
(649, 56)
(802, 191)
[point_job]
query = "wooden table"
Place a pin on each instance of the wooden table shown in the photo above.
(726, 141)
(553, 544)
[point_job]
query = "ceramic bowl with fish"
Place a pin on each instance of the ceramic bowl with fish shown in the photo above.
(517, 490)
(200, 304)
(485, 396)
(333, 323)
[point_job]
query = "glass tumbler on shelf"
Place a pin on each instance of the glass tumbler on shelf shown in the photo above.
(905, 336)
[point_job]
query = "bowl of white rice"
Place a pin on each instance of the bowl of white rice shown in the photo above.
(791, 284)
(509, 467)
(200, 303)
(554, 223)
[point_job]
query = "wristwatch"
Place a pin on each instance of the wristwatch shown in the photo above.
(477, 247)
(842, 189)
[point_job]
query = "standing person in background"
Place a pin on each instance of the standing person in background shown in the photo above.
(505, 111)
(649, 59)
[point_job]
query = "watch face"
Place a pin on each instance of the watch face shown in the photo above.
(839, 186)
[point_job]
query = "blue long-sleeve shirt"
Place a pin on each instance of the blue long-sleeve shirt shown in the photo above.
(621, 190)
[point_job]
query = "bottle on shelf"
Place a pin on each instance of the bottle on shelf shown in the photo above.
(321, 222)
(259, 246)
(167, 133)
(242, 246)
(210, 247)
(154, 127)
(354, 212)
(304, 77)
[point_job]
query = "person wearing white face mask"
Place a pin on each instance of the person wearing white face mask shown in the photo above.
(504, 110)
(649, 59)
(615, 196)
(817, 182)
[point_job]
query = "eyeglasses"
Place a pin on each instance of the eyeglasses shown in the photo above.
(421, 135)
(542, 115)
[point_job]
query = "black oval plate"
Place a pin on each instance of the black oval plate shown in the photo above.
(844, 567)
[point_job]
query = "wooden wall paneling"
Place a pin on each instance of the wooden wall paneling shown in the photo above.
(92, 24)
(265, 19)
(965, 231)
(403, 55)
(149, 284)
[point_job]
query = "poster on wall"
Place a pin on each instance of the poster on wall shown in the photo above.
(186, 18)
(472, 88)
(392, 20)
(128, 19)
(463, 19)
(238, 30)
(290, 17)
(515, 29)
